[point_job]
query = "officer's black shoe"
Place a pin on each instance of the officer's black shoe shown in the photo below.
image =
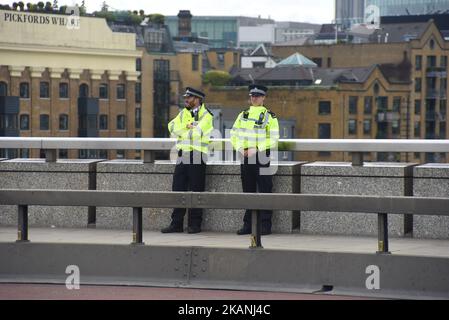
(193, 230)
(243, 231)
(172, 229)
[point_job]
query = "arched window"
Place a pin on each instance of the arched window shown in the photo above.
(84, 90)
(103, 91)
(3, 88)
(24, 90)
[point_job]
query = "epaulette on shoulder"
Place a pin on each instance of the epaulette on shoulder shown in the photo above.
(273, 115)
(209, 111)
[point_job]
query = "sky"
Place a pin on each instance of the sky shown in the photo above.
(314, 11)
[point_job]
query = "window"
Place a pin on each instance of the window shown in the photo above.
(382, 104)
(24, 153)
(395, 127)
(138, 64)
(63, 90)
(220, 58)
(259, 64)
(417, 84)
(367, 126)
(3, 88)
(24, 122)
(417, 129)
(44, 90)
(63, 154)
(352, 126)
(368, 105)
(318, 61)
(8, 121)
(443, 61)
(443, 85)
(103, 154)
(120, 92)
(24, 90)
(443, 110)
(329, 62)
(103, 91)
(442, 130)
(84, 90)
(324, 131)
(353, 105)
(417, 107)
(121, 125)
(432, 44)
(324, 107)
(63, 122)
(44, 122)
(103, 122)
(418, 63)
(397, 104)
(120, 154)
(195, 62)
(431, 61)
(138, 93)
(138, 118)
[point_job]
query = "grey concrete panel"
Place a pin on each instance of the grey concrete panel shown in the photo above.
(220, 177)
(38, 174)
(431, 180)
(380, 179)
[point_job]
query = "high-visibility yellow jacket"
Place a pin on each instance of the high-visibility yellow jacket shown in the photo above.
(255, 127)
(197, 138)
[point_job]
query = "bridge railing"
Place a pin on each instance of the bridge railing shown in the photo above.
(381, 205)
(149, 145)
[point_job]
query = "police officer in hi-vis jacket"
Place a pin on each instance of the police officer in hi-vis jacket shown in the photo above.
(254, 134)
(192, 128)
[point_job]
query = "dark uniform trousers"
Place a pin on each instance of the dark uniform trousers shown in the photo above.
(252, 182)
(189, 175)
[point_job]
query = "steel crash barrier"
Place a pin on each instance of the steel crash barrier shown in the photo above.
(383, 206)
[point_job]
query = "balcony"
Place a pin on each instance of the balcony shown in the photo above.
(435, 94)
(387, 116)
(436, 72)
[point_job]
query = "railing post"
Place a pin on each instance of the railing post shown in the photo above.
(256, 241)
(50, 155)
(382, 220)
(148, 156)
(22, 228)
(137, 226)
(357, 159)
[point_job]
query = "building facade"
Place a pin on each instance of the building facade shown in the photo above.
(66, 82)
(427, 77)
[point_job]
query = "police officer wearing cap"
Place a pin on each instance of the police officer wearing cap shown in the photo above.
(192, 128)
(254, 134)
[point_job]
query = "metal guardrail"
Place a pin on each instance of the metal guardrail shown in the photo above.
(150, 145)
(216, 200)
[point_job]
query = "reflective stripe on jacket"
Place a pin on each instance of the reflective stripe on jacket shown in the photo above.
(197, 138)
(257, 128)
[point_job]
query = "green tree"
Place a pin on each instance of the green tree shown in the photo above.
(156, 18)
(41, 6)
(216, 78)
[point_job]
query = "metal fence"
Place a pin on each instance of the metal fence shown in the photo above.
(150, 145)
(383, 206)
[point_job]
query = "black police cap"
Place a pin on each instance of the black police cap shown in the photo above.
(194, 92)
(257, 89)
